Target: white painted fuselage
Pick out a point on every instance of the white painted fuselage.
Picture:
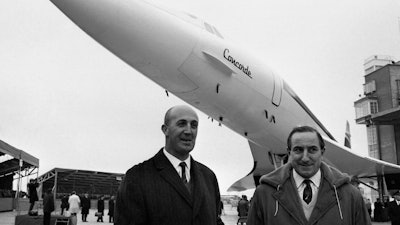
(189, 58)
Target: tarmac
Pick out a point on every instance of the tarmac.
(229, 217)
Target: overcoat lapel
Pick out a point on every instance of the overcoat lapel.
(169, 174)
(289, 199)
(326, 200)
(198, 187)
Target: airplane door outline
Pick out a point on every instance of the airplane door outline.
(277, 93)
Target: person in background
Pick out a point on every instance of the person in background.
(85, 203)
(378, 210)
(369, 206)
(243, 206)
(385, 210)
(111, 209)
(74, 203)
(32, 193)
(171, 188)
(394, 209)
(48, 206)
(64, 204)
(220, 212)
(221, 208)
(100, 209)
(306, 190)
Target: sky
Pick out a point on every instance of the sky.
(71, 103)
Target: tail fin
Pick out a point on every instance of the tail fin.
(347, 139)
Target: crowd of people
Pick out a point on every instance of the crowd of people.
(73, 204)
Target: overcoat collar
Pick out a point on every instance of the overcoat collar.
(283, 182)
(169, 174)
(287, 193)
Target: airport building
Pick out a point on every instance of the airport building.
(95, 183)
(379, 108)
(16, 164)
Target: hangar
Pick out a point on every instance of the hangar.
(95, 183)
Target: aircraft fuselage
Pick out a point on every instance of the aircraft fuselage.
(189, 58)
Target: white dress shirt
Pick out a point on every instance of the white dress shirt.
(315, 183)
(175, 163)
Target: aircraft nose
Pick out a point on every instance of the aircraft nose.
(93, 16)
(142, 34)
(126, 28)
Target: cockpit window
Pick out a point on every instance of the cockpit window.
(190, 18)
(193, 16)
(212, 30)
(208, 28)
(218, 33)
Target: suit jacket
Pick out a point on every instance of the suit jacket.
(48, 203)
(243, 207)
(394, 212)
(111, 207)
(100, 205)
(152, 192)
(32, 192)
(85, 204)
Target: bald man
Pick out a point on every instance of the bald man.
(171, 187)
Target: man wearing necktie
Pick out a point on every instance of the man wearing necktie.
(394, 209)
(170, 188)
(307, 190)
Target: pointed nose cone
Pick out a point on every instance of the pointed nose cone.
(117, 25)
(90, 15)
(142, 34)
(134, 30)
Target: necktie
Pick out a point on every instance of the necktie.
(307, 193)
(183, 166)
(184, 179)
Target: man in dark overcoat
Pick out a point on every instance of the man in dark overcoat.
(394, 209)
(48, 206)
(170, 188)
(32, 193)
(85, 204)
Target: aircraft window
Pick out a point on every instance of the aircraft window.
(208, 28)
(212, 30)
(193, 16)
(217, 33)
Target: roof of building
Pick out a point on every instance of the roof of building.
(10, 165)
(82, 181)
